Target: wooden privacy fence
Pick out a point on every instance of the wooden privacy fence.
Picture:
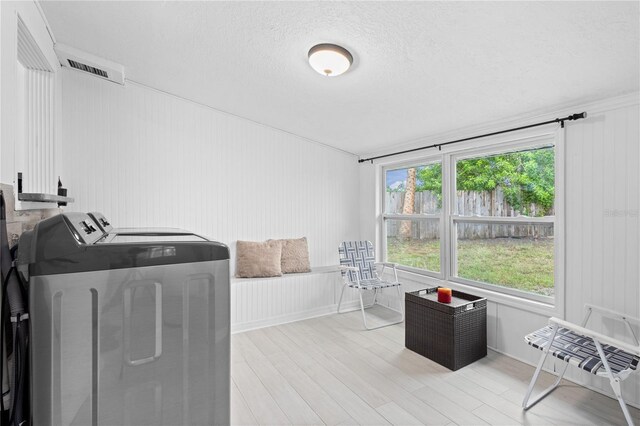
(468, 203)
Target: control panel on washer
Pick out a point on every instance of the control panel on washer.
(83, 228)
(102, 221)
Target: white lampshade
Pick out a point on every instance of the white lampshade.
(329, 59)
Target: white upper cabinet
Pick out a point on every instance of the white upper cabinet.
(30, 107)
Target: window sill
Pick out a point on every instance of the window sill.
(492, 296)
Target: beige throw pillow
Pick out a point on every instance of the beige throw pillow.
(295, 256)
(258, 259)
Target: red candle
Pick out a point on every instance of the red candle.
(444, 295)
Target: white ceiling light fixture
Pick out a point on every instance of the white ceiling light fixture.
(330, 60)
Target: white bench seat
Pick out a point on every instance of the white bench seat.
(263, 302)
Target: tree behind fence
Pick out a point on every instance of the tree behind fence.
(469, 203)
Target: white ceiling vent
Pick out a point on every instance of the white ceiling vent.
(86, 62)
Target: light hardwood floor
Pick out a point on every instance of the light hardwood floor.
(329, 370)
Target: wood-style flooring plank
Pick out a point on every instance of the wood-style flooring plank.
(291, 403)
(320, 401)
(446, 406)
(493, 416)
(396, 415)
(329, 370)
(370, 357)
(262, 341)
(361, 362)
(350, 401)
(498, 402)
(370, 395)
(403, 399)
(262, 405)
(240, 412)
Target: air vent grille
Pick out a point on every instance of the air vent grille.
(88, 68)
(90, 64)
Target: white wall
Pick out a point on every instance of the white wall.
(145, 158)
(603, 221)
(602, 231)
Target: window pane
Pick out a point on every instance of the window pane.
(509, 184)
(414, 190)
(414, 243)
(514, 256)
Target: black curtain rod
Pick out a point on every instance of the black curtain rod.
(440, 145)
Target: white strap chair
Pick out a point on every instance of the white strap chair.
(586, 349)
(358, 268)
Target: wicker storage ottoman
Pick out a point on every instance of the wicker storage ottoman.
(451, 334)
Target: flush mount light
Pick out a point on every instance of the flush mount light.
(329, 59)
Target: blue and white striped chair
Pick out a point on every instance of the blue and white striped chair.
(586, 349)
(358, 267)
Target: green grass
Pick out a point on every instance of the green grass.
(422, 254)
(524, 264)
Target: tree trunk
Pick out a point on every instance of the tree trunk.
(409, 201)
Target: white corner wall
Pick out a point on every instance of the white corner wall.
(602, 231)
(603, 224)
(145, 158)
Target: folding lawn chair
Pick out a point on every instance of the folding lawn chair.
(596, 353)
(357, 261)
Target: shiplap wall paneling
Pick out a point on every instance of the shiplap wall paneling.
(267, 301)
(145, 158)
(602, 225)
(36, 148)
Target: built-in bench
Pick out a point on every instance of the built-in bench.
(262, 302)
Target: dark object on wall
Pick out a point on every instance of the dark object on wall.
(43, 198)
(14, 334)
(515, 129)
(453, 335)
(61, 192)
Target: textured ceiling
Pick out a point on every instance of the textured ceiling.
(420, 68)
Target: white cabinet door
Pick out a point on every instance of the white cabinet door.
(29, 113)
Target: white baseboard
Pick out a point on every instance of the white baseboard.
(347, 306)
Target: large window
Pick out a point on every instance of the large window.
(503, 219)
(413, 209)
(492, 226)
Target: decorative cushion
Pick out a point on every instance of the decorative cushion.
(295, 256)
(258, 259)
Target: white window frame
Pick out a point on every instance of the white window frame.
(425, 161)
(511, 142)
(455, 218)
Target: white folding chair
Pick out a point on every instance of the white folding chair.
(358, 267)
(594, 352)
